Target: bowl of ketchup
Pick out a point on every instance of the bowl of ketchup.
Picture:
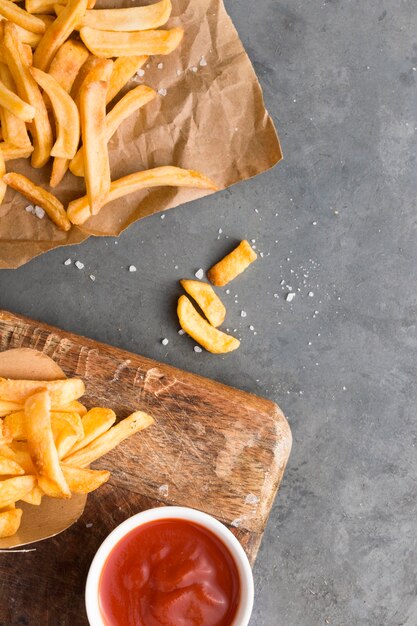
(170, 566)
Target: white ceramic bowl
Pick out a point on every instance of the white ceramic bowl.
(171, 512)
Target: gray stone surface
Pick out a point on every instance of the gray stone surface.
(338, 219)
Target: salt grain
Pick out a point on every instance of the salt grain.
(251, 499)
(140, 73)
(194, 69)
(160, 66)
(162, 91)
(79, 265)
(92, 277)
(30, 208)
(163, 490)
(179, 72)
(311, 294)
(165, 341)
(67, 262)
(163, 216)
(181, 331)
(251, 327)
(243, 314)
(132, 268)
(199, 274)
(203, 62)
(290, 297)
(198, 349)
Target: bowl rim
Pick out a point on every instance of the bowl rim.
(209, 522)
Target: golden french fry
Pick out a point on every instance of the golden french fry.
(93, 69)
(11, 152)
(62, 392)
(52, 206)
(201, 331)
(14, 129)
(131, 102)
(34, 496)
(84, 480)
(10, 101)
(57, 33)
(232, 264)
(123, 70)
(79, 210)
(41, 445)
(42, 6)
(9, 522)
(58, 171)
(26, 50)
(65, 112)
(96, 422)
(67, 62)
(15, 423)
(10, 467)
(208, 301)
(67, 429)
(21, 17)
(28, 90)
(131, 19)
(74, 407)
(109, 440)
(14, 489)
(93, 131)
(30, 38)
(105, 43)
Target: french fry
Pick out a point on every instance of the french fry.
(232, 264)
(16, 105)
(65, 112)
(11, 152)
(84, 480)
(131, 102)
(131, 19)
(42, 6)
(109, 440)
(62, 392)
(14, 129)
(26, 50)
(22, 18)
(67, 429)
(93, 69)
(30, 38)
(58, 171)
(14, 489)
(105, 43)
(10, 467)
(18, 451)
(15, 423)
(74, 407)
(10, 522)
(212, 339)
(7, 406)
(34, 496)
(95, 422)
(208, 301)
(67, 62)
(28, 90)
(57, 33)
(93, 131)
(123, 70)
(52, 206)
(79, 210)
(41, 445)
(6, 435)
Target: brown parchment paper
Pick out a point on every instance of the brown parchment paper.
(213, 120)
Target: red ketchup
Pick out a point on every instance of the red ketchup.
(169, 572)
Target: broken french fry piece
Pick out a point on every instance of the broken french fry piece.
(65, 113)
(232, 265)
(79, 210)
(107, 44)
(206, 298)
(123, 70)
(14, 489)
(201, 331)
(109, 440)
(67, 62)
(82, 480)
(10, 522)
(52, 206)
(130, 19)
(41, 445)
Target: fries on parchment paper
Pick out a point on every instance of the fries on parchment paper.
(47, 441)
(49, 104)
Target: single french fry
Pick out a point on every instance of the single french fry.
(93, 131)
(212, 339)
(62, 392)
(84, 480)
(65, 112)
(67, 62)
(52, 206)
(41, 445)
(95, 422)
(131, 19)
(57, 33)
(34, 496)
(14, 129)
(14, 489)
(42, 6)
(28, 90)
(22, 18)
(93, 69)
(11, 152)
(10, 522)
(208, 301)
(79, 210)
(110, 439)
(10, 467)
(123, 70)
(10, 101)
(131, 102)
(232, 264)
(107, 44)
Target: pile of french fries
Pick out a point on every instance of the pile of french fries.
(48, 439)
(61, 63)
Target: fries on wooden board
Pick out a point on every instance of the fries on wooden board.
(47, 441)
(53, 102)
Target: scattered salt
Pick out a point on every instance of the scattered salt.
(92, 277)
(160, 66)
(163, 490)
(30, 208)
(165, 341)
(89, 525)
(251, 327)
(163, 216)
(79, 265)
(132, 268)
(251, 499)
(194, 69)
(220, 231)
(199, 274)
(203, 62)
(236, 522)
(290, 297)
(198, 349)
(140, 73)
(181, 331)
(162, 91)
(179, 72)
(67, 262)
(227, 291)
(311, 294)
(243, 314)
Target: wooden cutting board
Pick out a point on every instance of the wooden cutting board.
(212, 448)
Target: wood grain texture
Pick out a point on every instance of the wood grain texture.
(211, 447)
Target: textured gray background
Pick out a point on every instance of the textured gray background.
(337, 219)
